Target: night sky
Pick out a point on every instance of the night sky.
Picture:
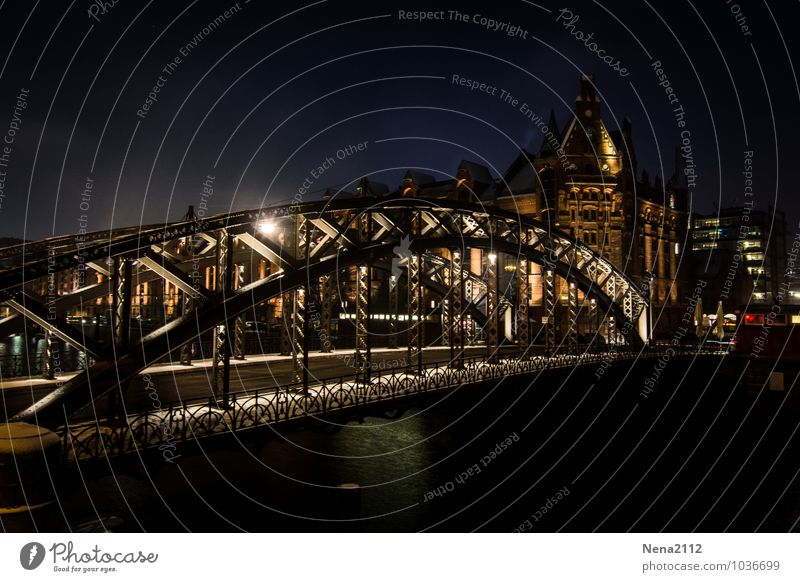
(256, 102)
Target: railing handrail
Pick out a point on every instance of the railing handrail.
(287, 403)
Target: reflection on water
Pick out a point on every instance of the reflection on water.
(18, 358)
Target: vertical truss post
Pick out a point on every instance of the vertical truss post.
(393, 305)
(469, 298)
(299, 315)
(593, 327)
(48, 368)
(298, 332)
(326, 312)
(492, 309)
(287, 309)
(239, 326)
(122, 302)
(611, 327)
(221, 361)
(447, 275)
(456, 316)
(187, 302)
(187, 306)
(572, 324)
(415, 317)
(549, 311)
(416, 320)
(363, 353)
(523, 322)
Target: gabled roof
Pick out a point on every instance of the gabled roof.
(419, 178)
(367, 187)
(576, 134)
(520, 177)
(480, 174)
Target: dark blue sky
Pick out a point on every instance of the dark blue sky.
(274, 89)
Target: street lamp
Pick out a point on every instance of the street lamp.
(266, 227)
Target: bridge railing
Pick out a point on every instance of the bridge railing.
(189, 420)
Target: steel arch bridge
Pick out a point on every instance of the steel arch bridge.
(304, 255)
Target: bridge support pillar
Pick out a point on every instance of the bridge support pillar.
(572, 324)
(523, 322)
(492, 309)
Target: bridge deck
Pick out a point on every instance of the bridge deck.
(166, 427)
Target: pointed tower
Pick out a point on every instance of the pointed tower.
(587, 103)
(552, 139)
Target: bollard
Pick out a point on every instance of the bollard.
(29, 455)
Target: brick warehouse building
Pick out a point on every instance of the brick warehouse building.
(585, 181)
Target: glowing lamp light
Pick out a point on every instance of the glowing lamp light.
(492, 258)
(266, 227)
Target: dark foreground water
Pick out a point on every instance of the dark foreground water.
(563, 451)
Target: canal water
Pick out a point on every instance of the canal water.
(576, 450)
